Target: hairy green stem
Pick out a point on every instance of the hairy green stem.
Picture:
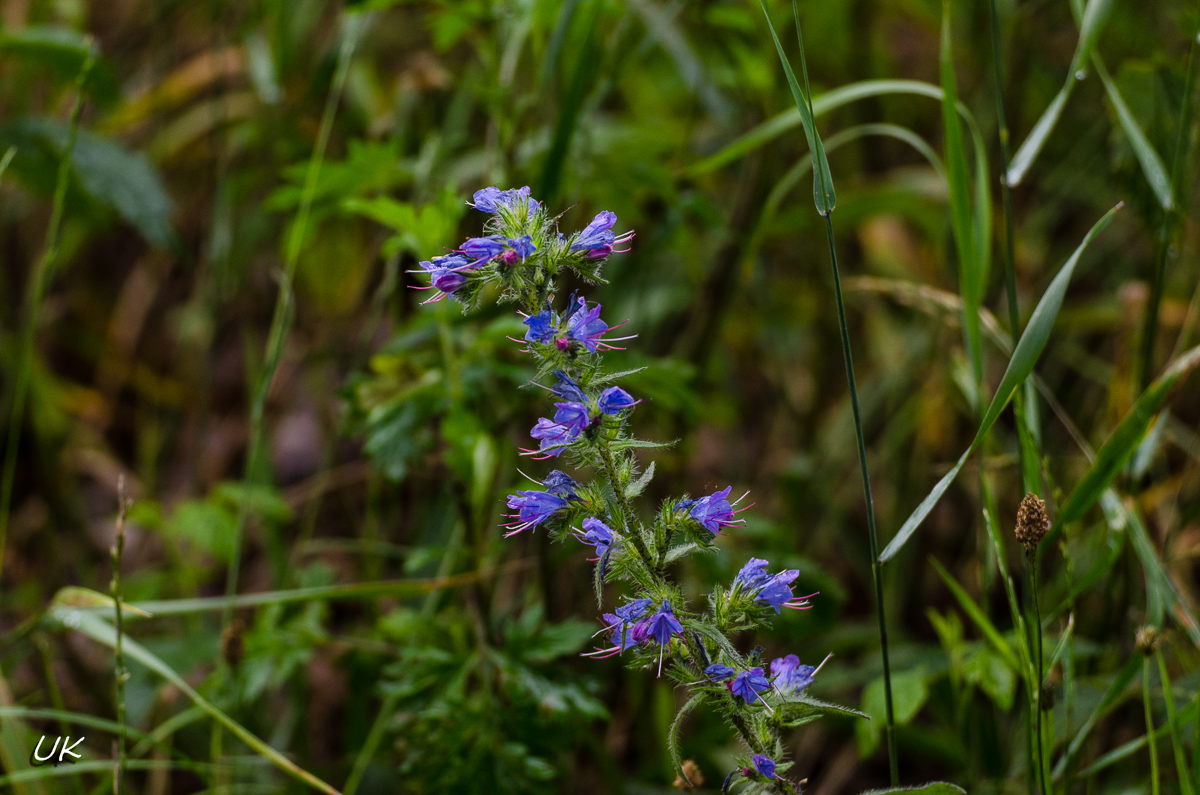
(610, 471)
(1032, 560)
(1150, 739)
(876, 566)
(1170, 215)
(35, 293)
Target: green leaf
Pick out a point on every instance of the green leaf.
(1151, 163)
(972, 267)
(62, 51)
(823, 193)
(909, 694)
(1124, 440)
(977, 615)
(1095, 17)
(1029, 348)
(1112, 696)
(95, 628)
(932, 788)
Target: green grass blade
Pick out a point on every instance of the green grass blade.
(823, 193)
(1029, 348)
(1112, 696)
(1124, 440)
(972, 278)
(1095, 17)
(976, 615)
(78, 768)
(95, 628)
(1151, 163)
(1160, 588)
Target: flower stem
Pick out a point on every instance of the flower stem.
(1150, 741)
(119, 675)
(35, 293)
(1031, 559)
(876, 566)
(1181, 769)
(610, 471)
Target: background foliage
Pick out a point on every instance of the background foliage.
(429, 656)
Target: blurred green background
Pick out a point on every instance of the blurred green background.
(391, 430)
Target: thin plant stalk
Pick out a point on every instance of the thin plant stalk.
(119, 674)
(1031, 559)
(1181, 768)
(1150, 742)
(35, 293)
(284, 314)
(825, 209)
(1170, 215)
(371, 745)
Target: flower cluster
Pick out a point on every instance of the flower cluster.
(521, 254)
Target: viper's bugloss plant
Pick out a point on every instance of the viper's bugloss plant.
(521, 255)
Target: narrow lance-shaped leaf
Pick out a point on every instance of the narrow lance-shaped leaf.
(971, 278)
(96, 629)
(825, 200)
(1029, 348)
(1095, 17)
(1151, 163)
(1124, 440)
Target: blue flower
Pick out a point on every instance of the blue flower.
(568, 388)
(714, 511)
(635, 609)
(447, 274)
(522, 246)
(789, 676)
(663, 625)
(533, 508)
(598, 534)
(753, 574)
(541, 327)
(585, 326)
(748, 684)
(764, 765)
(491, 199)
(551, 436)
(627, 631)
(484, 248)
(575, 416)
(719, 672)
(615, 399)
(597, 238)
(561, 484)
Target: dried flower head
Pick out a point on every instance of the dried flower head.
(1148, 640)
(690, 778)
(1032, 521)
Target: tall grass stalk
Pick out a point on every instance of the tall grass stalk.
(119, 673)
(1170, 215)
(1031, 559)
(284, 314)
(1151, 744)
(35, 293)
(825, 207)
(1181, 768)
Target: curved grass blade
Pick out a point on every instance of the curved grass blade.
(1126, 750)
(1095, 17)
(976, 615)
(1124, 440)
(1151, 163)
(95, 628)
(823, 193)
(1113, 696)
(972, 272)
(1029, 348)
(102, 766)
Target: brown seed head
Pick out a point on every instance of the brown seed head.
(1147, 640)
(1032, 522)
(691, 777)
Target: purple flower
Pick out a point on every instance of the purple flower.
(449, 281)
(491, 199)
(561, 485)
(483, 248)
(575, 416)
(533, 508)
(748, 684)
(789, 676)
(714, 511)
(635, 609)
(542, 327)
(663, 625)
(627, 631)
(615, 399)
(522, 246)
(597, 238)
(719, 672)
(753, 574)
(764, 765)
(598, 534)
(585, 326)
(551, 436)
(567, 388)
(447, 274)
